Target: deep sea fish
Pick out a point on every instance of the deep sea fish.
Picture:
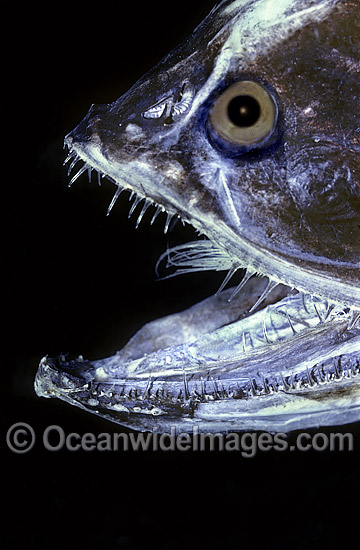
(250, 132)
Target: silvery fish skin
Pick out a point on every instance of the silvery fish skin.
(282, 351)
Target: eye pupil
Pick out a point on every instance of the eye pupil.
(243, 117)
(243, 111)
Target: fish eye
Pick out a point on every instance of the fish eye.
(244, 116)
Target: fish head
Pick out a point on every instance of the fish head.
(249, 132)
(281, 192)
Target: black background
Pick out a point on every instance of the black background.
(77, 281)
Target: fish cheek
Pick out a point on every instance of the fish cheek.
(333, 220)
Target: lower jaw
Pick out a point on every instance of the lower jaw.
(293, 364)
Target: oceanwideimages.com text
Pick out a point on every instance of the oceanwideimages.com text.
(21, 439)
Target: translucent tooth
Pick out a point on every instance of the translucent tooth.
(310, 381)
(270, 286)
(243, 282)
(291, 318)
(71, 166)
(186, 388)
(216, 393)
(265, 384)
(253, 387)
(303, 298)
(141, 215)
(70, 156)
(99, 179)
(157, 212)
(318, 313)
(118, 191)
(355, 318)
(89, 170)
(230, 273)
(289, 383)
(78, 174)
(148, 388)
(328, 311)
(202, 387)
(133, 206)
(290, 323)
(169, 217)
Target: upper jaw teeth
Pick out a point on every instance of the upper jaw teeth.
(208, 255)
(75, 156)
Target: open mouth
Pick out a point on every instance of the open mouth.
(249, 132)
(261, 355)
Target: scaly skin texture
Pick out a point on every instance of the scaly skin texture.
(288, 209)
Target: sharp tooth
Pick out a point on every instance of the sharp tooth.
(321, 375)
(143, 210)
(70, 156)
(290, 322)
(71, 166)
(245, 279)
(337, 368)
(148, 388)
(89, 170)
(99, 179)
(318, 313)
(303, 298)
(169, 217)
(186, 388)
(216, 392)
(310, 380)
(290, 317)
(253, 387)
(133, 206)
(270, 286)
(267, 389)
(328, 311)
(230, 273)
(157, 212)
(287, 386)
(355, 318)
(119, 190)
(78, 174)
(202, 388)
